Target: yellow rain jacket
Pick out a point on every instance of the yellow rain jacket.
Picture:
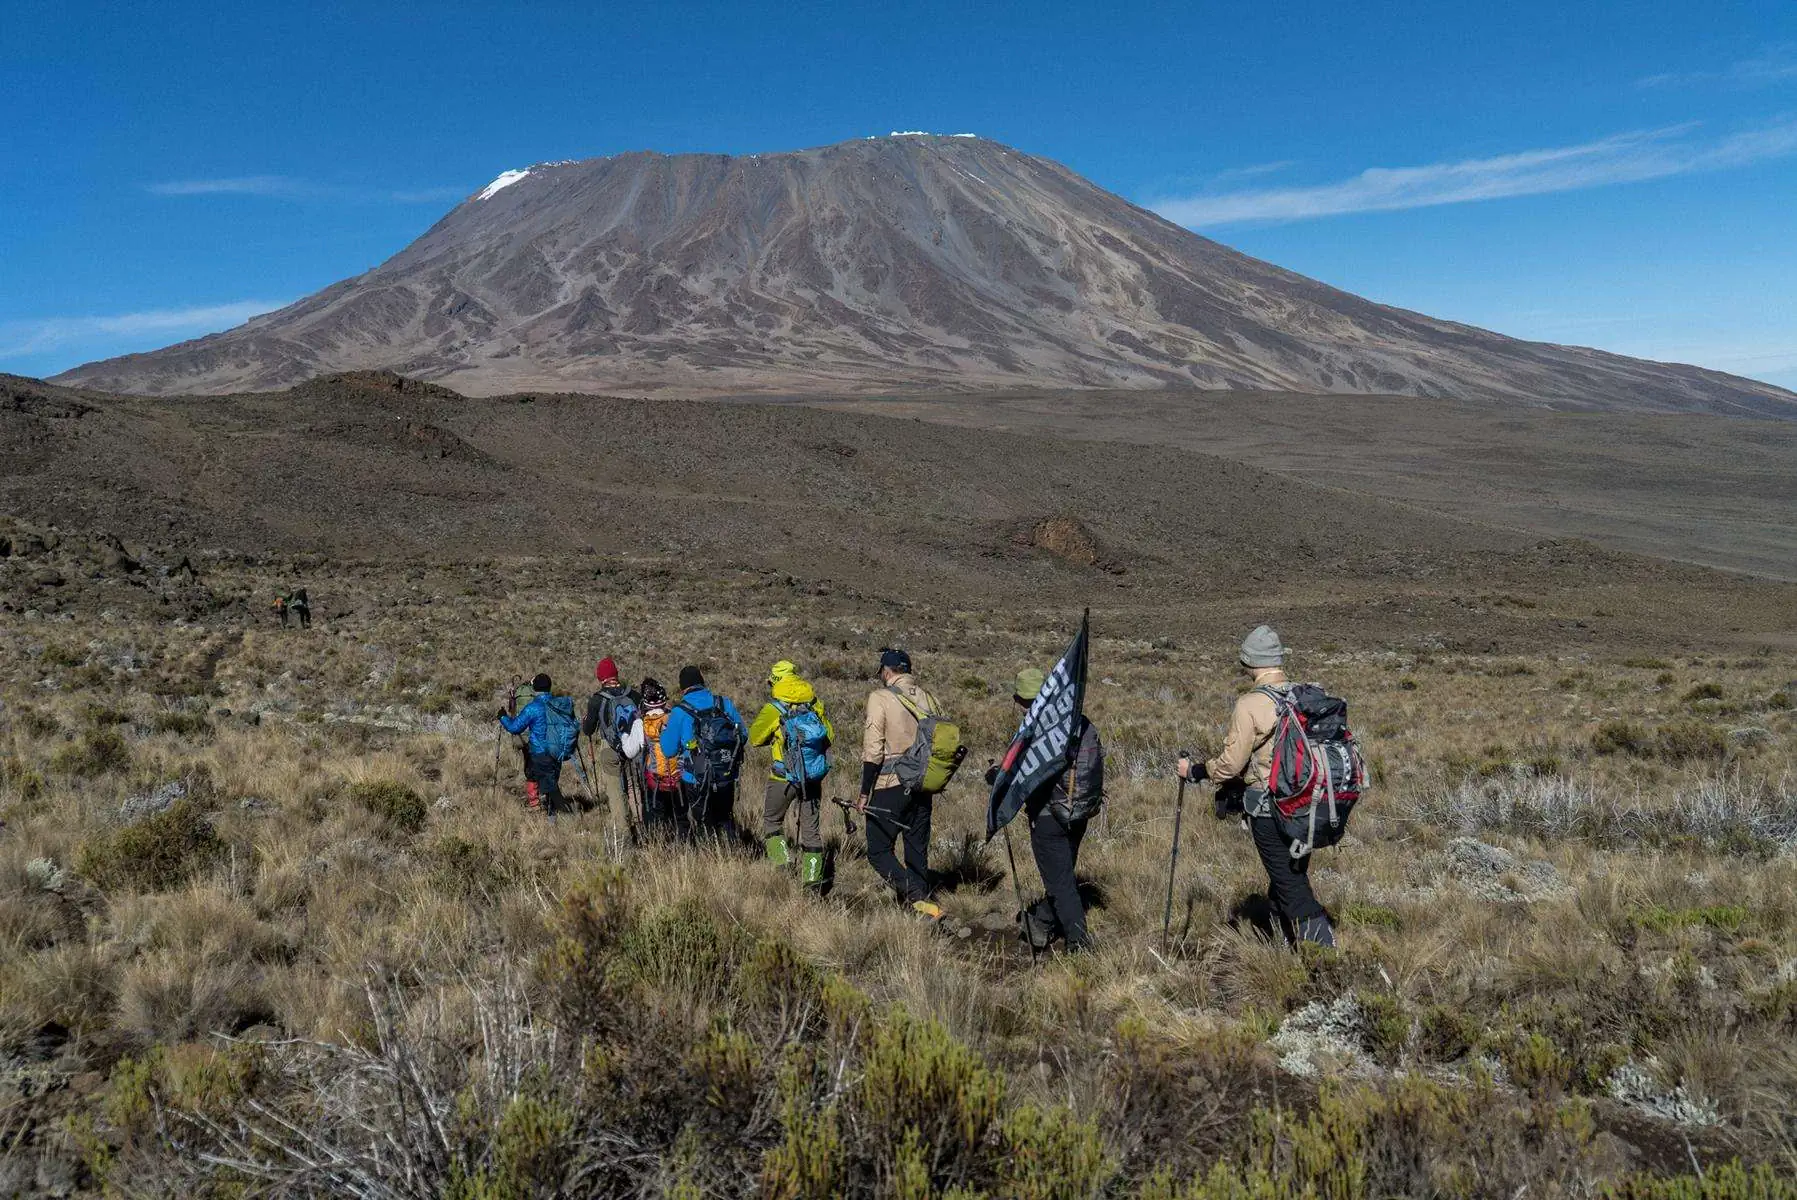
(768, 729)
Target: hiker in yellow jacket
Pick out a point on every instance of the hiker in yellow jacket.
(796, 776)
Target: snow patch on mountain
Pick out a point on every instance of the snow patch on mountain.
(506, 179)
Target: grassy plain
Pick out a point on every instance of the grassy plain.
(341, 963)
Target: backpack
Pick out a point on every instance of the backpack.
(561, 732)
(1088, 790)
(807, 743)
(1316, 767)
(935, 754)
(614, 710)
(715, 749)
(660, 771)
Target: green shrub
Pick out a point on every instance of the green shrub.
(1372, 916)
(1446, 1033)
(159, 852)
(920, 1083)
(1727, 1181)
(398, 806)
(1050, 1154)
(1703, 691)
(181, 724)
(1621, 737)
(1725, 918)
(1387, 1025)
(97, 752)
(1689, 741)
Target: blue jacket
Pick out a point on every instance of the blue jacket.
(531, 717)
(679, 729)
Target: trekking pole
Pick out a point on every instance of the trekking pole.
(499, 743)
(848, 822)
(1029, 928)
(1179, 808)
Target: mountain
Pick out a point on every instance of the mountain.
(900, 263)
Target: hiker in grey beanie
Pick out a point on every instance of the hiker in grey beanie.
(1262, 648)
(1242, 772)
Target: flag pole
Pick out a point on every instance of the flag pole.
(1029, 931)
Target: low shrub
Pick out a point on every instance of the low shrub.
(1690, 741)
(398, 806)
(1703, 691)
(97, 752)
(159, 852)
(1621, 737)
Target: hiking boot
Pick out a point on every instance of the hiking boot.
(927, 908)
(776, 851)
(811, 868)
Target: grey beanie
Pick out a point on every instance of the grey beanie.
(1262, 648)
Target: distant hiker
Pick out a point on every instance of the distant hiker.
(892, 806)
(549, 720)
(300, 607)
(708, 736)
(1058, 819)
(793, 722)
(663, 811)
(610, 713)
(1247, 755)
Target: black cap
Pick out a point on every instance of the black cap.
(690, 678)
(896, 660)
(540, 684)
(652, 692)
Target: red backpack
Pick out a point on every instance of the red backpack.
(1316, 766)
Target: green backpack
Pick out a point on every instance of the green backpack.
(933, 757)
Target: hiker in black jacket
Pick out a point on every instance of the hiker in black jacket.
(610, 713)
(1057, 826)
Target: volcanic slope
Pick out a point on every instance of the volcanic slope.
(936, 262)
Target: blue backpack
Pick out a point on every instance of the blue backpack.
(807, 746)
(561, 732)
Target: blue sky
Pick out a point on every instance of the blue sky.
(1621, 175)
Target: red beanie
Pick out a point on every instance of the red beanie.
(606, 671)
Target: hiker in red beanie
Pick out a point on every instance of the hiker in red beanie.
(610, 712)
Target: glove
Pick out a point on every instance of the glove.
(1200, 772)
(503, 714)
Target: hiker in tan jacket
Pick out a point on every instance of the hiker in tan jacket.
(892, 809)
(1246, 756)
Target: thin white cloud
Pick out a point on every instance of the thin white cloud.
(1252, 171)
(1775, 64)
(19, 338)
(235, 185)
(1622, 158)
(285, 187)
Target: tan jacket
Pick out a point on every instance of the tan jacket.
(890, 727)
(1248, 746)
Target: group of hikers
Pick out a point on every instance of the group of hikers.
(673, 762)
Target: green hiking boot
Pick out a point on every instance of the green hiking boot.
(776, 851)
(811, 868)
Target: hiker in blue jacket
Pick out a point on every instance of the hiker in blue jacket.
(707, 734)
(542, 763)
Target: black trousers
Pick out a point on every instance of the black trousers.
(1300, 914)
(711, 810)
(1056, 846)
(543, 779)
(893, 813)
(664, 812)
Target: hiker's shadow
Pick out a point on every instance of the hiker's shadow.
(971, 865)
(1256, 912)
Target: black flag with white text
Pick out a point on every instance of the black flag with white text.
(1045, 744)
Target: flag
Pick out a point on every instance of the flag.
(1046, 741)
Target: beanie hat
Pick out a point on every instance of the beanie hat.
(781, 670)
(540, 684)
(652, 692)
(690, 678)
(606, 671)
(1262, 648)
(1028, 685)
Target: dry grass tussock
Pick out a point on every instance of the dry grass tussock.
(332, 961)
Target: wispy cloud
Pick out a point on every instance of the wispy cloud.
(286, 187)
(1623, 158)
(1775, 64)
(19, 338)
(1252, 171)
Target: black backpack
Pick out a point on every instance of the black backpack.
(714, 751)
